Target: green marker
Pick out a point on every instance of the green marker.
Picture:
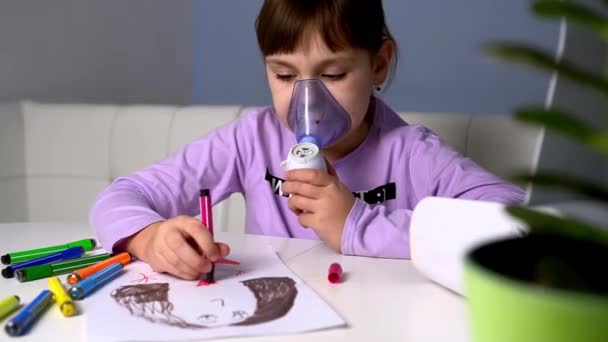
(8, 305)
(15, 257)
(49, 270)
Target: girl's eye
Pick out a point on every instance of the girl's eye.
(208, 318)
(334, 77)
(239, 315)
(285, 77)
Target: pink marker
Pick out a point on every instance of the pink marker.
(335, 273)
(207, 220)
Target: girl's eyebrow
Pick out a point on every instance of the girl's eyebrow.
(274, 60)
(322, 63)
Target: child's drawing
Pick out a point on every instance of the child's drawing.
(274, 297)
(205, 282)
(144, 278)
(257, 297)
(240, 272)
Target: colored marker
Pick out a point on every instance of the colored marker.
(8, 305)
(68, 254)
(84, 273)
(207, 220)
(44, 271)
(15, 257)
(87, 286)
(62, 299)
(28, 315)
(335, 273)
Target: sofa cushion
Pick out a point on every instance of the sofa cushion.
(55, 158)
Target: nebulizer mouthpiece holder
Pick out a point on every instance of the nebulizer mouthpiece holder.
(317, 120)
(304, 155)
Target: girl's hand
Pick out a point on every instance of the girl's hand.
(181, 246)
(321, 202)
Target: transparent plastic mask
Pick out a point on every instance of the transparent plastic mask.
(314, 114)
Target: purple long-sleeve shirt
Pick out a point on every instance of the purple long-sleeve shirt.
(395, 167)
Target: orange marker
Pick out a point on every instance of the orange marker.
(84, 273)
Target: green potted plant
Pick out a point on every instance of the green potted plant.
(551, 284)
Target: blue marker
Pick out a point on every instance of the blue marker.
(87, 286)
(68, 254)
(28, 315)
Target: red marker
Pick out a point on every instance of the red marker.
(335, 273)
(207, 220)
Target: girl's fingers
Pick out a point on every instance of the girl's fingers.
(202, 237)
(306, 220)
(185, 249)
(177, 267)
(163, 266)
(190, 257)
(302, 189)
(301, 203)
(294, 209)
(310, 176)
(223, 248)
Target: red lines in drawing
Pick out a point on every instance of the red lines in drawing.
(144, 278)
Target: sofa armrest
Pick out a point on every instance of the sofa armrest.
(13, 191)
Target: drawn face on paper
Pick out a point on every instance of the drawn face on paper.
(248, 302)
(217, 306)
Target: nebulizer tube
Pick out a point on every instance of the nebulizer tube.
(317, 120)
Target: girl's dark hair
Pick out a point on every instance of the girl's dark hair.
(342, 24)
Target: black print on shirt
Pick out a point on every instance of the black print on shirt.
(380, 194)
(275, 184)
(377, 195)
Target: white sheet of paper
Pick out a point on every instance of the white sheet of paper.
(132, 306)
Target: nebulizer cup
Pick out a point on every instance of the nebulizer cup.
(317, 120)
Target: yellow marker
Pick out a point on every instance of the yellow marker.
(8, 305)
(63, 300)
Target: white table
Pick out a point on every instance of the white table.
(380, 299)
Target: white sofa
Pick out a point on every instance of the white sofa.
(54, 158)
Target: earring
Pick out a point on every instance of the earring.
(378, 88)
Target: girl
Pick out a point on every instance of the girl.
(377, 171)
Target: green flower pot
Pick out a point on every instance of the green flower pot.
(538, 288)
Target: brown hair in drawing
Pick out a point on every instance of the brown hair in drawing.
(274, 297)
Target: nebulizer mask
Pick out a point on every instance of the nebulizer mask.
(317, 120)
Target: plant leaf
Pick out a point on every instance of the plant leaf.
(601, 142)
(539, 222)
(563, 123)
(524, 54)
(573, 12)
(580, 186)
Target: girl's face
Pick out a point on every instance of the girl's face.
(215, 306)
(350, 75)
